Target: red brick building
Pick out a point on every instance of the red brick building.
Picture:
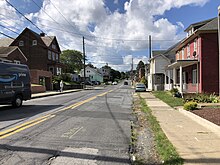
(197, 61)
(43, 56)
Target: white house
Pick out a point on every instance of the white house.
(92, 74)
(157, 78)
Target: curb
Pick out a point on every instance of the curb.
(53, 94)
(207, 124)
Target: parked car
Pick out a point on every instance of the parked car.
(125, 83)
(87, 83)
(140, 87)
(15, 85)
(114, 83)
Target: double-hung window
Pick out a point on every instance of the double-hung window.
(188, 51)
(194, 76)
(183, 54)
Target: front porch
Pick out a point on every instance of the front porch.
(183, 75)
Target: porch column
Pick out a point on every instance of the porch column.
(181, 79)
(197, 77)
(169, 77)
(165, 80)
(174, 76)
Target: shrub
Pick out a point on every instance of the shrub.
(202, 98)
(214, 98)
(190, 106)
(174, 91)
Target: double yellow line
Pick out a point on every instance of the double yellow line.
(31, 123)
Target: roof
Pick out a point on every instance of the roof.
(157, 52)
(170, 53)
(5, 51)
(94, 70)
(197, 24)
(212, 25)
(5, 41)
(48, 40)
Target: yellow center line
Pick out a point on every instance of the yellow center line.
(31, 123)
(26, 125)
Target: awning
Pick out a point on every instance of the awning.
(183, 63)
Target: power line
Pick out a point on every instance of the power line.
(63, 16)
(24, 16)
(6, 35)
(9, 29)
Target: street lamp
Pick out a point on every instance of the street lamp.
(219, 46)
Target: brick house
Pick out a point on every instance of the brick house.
(196, 69)
(43, 56)
(12, 54)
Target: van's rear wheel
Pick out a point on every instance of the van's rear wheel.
(17, 102)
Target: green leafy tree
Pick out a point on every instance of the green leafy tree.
(115, 75)
(73, 59)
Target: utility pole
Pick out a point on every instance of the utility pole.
(84, 64)
(219, 47)
(132, 77)
(150, 56)
(149, 46)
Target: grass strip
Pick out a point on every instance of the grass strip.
(167, 97)
(165, 149)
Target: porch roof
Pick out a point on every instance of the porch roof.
(183, 63)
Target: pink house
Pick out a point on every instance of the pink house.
(196, 69)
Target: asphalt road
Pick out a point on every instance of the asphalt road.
(86, 127)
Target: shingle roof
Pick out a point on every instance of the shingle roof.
(5, 51)
(212, 25)
(198, 24)
(5, 41)
(158, 52)
(47, 40)
(171, 52)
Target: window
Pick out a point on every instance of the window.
(188, 51)
(17, 62)
(21, 43)
(183, 53)
(53, 56)
(195, 45)
(34, 42)
(49, 55)
(194, 76)
(57, 57)
(54, 46)
(51, 69)
(178, 55)
(58, 71)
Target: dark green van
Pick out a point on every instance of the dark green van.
(15, 84)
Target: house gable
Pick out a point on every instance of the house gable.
(28, 36)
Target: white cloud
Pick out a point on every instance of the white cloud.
(93, 18)
(9, 17)
(180, 24)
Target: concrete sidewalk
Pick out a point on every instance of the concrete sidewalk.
(196, 141)
(51, 93)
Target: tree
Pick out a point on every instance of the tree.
(115, 74)
(73, 59)
(139, 66)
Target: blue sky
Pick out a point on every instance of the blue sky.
(115, 30)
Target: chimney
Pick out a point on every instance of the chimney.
(42, 34)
